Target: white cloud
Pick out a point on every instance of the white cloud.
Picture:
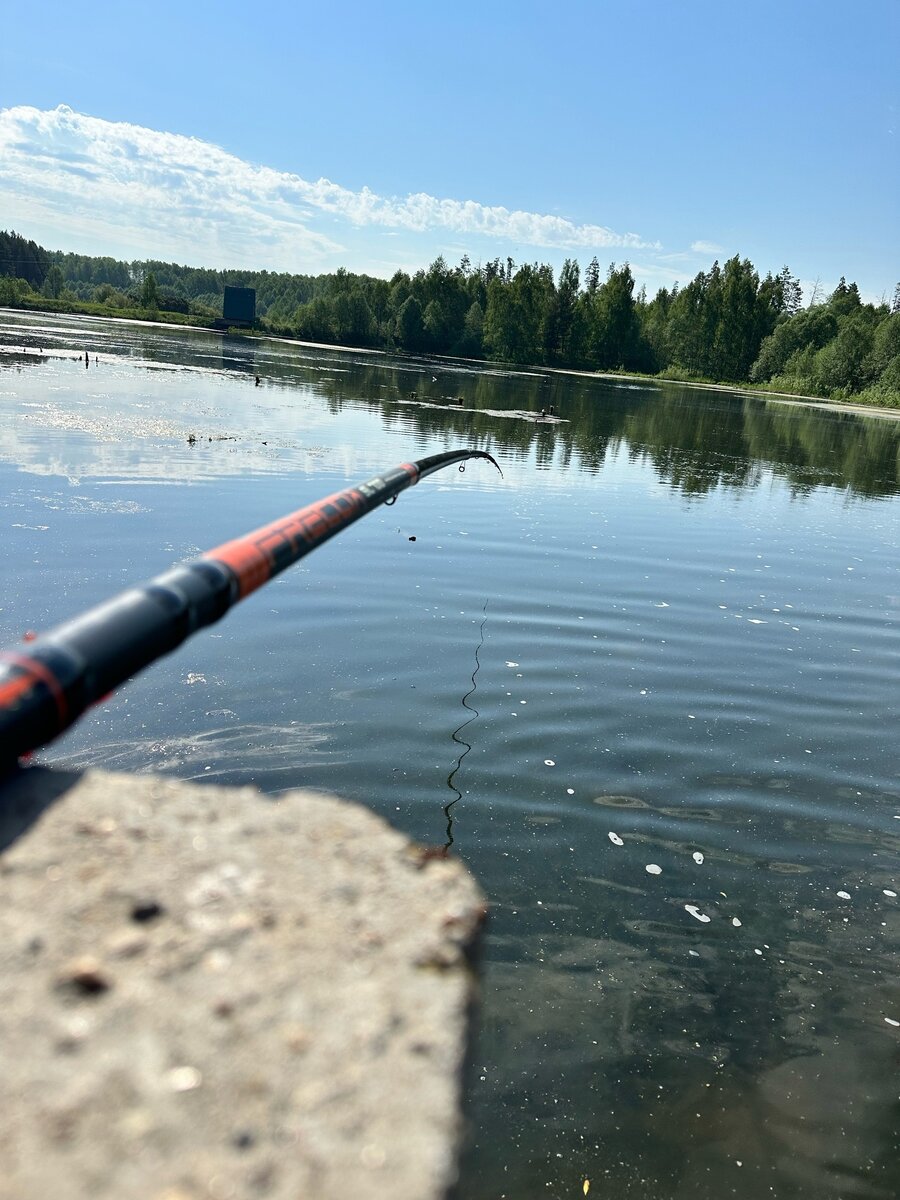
(707, 248)
(164, 195)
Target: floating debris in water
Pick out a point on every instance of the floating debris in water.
(891, 1021)
(653, 869)
(694, 953)
(697, 856)
(888, 892)
(548, 762)
(570, 791)
(736, 922)
(695, 912)
(615, 839)
(844, 895)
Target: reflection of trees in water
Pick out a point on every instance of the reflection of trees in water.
(697, 441)
(812, 447)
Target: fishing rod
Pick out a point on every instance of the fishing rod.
(47, 684)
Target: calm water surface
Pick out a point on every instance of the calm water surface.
(675, 772)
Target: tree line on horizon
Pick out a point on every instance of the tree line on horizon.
(726, 325)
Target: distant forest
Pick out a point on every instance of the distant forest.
(726, 326)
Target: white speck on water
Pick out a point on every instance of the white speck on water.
(662, 604)
(570, 791)
(736, 922)
(694, 953)
(512, 664)
(615, 839)
(643, 691)
(756, 621)
(888, 892)
(891, 1021)
(691, 717)
(548, 762)
(697, 857)
(695, 912)
(756, 950)
(844, 895)
(653, 869)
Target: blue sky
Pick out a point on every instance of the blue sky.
(374, 136)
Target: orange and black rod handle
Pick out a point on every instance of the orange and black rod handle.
(48, 683)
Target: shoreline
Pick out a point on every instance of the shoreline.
(820, 402)
(788, 398)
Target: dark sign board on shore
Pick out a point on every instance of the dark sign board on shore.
(239, 306)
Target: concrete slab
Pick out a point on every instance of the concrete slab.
(207, 994)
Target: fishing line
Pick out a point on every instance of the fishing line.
(461, 741)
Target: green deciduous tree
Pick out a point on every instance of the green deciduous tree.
(53, 284)
(409, 329)
(149, 292)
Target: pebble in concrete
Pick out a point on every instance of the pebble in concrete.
(205, 995)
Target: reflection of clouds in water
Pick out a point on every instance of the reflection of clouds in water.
(239, 747)
(104, 426)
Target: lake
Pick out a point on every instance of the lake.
(645, 685)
